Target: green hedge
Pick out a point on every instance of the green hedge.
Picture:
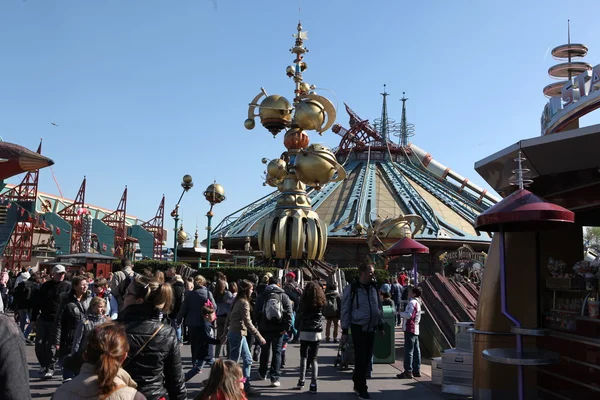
(157, 265)
(233, 274)
(352, 273)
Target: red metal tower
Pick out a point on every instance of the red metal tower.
(116, 221)
(360, 135)
(20, 244)
(156, 227)
(71, 215)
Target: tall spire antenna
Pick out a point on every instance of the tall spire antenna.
(384, 117)
(406, 129)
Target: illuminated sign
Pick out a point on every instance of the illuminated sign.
(579, 96)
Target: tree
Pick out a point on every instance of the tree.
(591, 238)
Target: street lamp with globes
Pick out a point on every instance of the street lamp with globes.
(186, 184)
(214, 194)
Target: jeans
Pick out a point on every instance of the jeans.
(308, 354)
(412, 353)
(44, 350)
(177, 330)
(330, 321)
(195, 370)
(238, 347)
(363, 352)
(274, 340)
(25, 320)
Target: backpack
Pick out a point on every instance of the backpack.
(331, 307)
(125, 284)
(354, 289)
(273, 309)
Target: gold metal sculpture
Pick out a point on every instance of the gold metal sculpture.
(293, 230)
(384, 232)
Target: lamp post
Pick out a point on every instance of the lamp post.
(214, 194)
(186, 184)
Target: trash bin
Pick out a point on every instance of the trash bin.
(384, 351)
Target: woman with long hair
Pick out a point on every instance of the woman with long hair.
(237, 325)
(226, 382)
(223, 298)
(101, 376)
(71, 310)
(154, 359)
(308, 323)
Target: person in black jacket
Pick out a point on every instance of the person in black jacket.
(309, 324)
(208, 338)
(154, 358)
(191, 310)
(178, 295)
(72, 309)
(331, 311)
(45, 304)
(272, 327)
(14, 382)
(23, 302)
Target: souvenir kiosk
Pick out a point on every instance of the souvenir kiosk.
(556, 299)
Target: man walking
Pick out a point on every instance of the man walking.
(46, 305)
(273, 311)
(121, 280)
(410, 326)
(362, 313)
(396, 292)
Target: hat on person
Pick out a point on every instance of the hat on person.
(293, 275)
(59, 269)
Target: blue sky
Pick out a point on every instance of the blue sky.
(145, 91)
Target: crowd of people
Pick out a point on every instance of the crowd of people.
(119, 337)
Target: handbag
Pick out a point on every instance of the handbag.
(143, 346)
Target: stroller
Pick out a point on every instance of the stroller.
(345, 356)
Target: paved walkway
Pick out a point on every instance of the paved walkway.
(332, 381)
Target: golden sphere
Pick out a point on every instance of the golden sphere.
(249, 124)
(182, 236)
(214, 193)
(276, 169)
(275, 113)
(315, 166)
(309, 115)
(290, 71)
(304, 87)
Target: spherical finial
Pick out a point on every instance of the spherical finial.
(187, 183)
(214, 193)
(249, 124)
(290, 71)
